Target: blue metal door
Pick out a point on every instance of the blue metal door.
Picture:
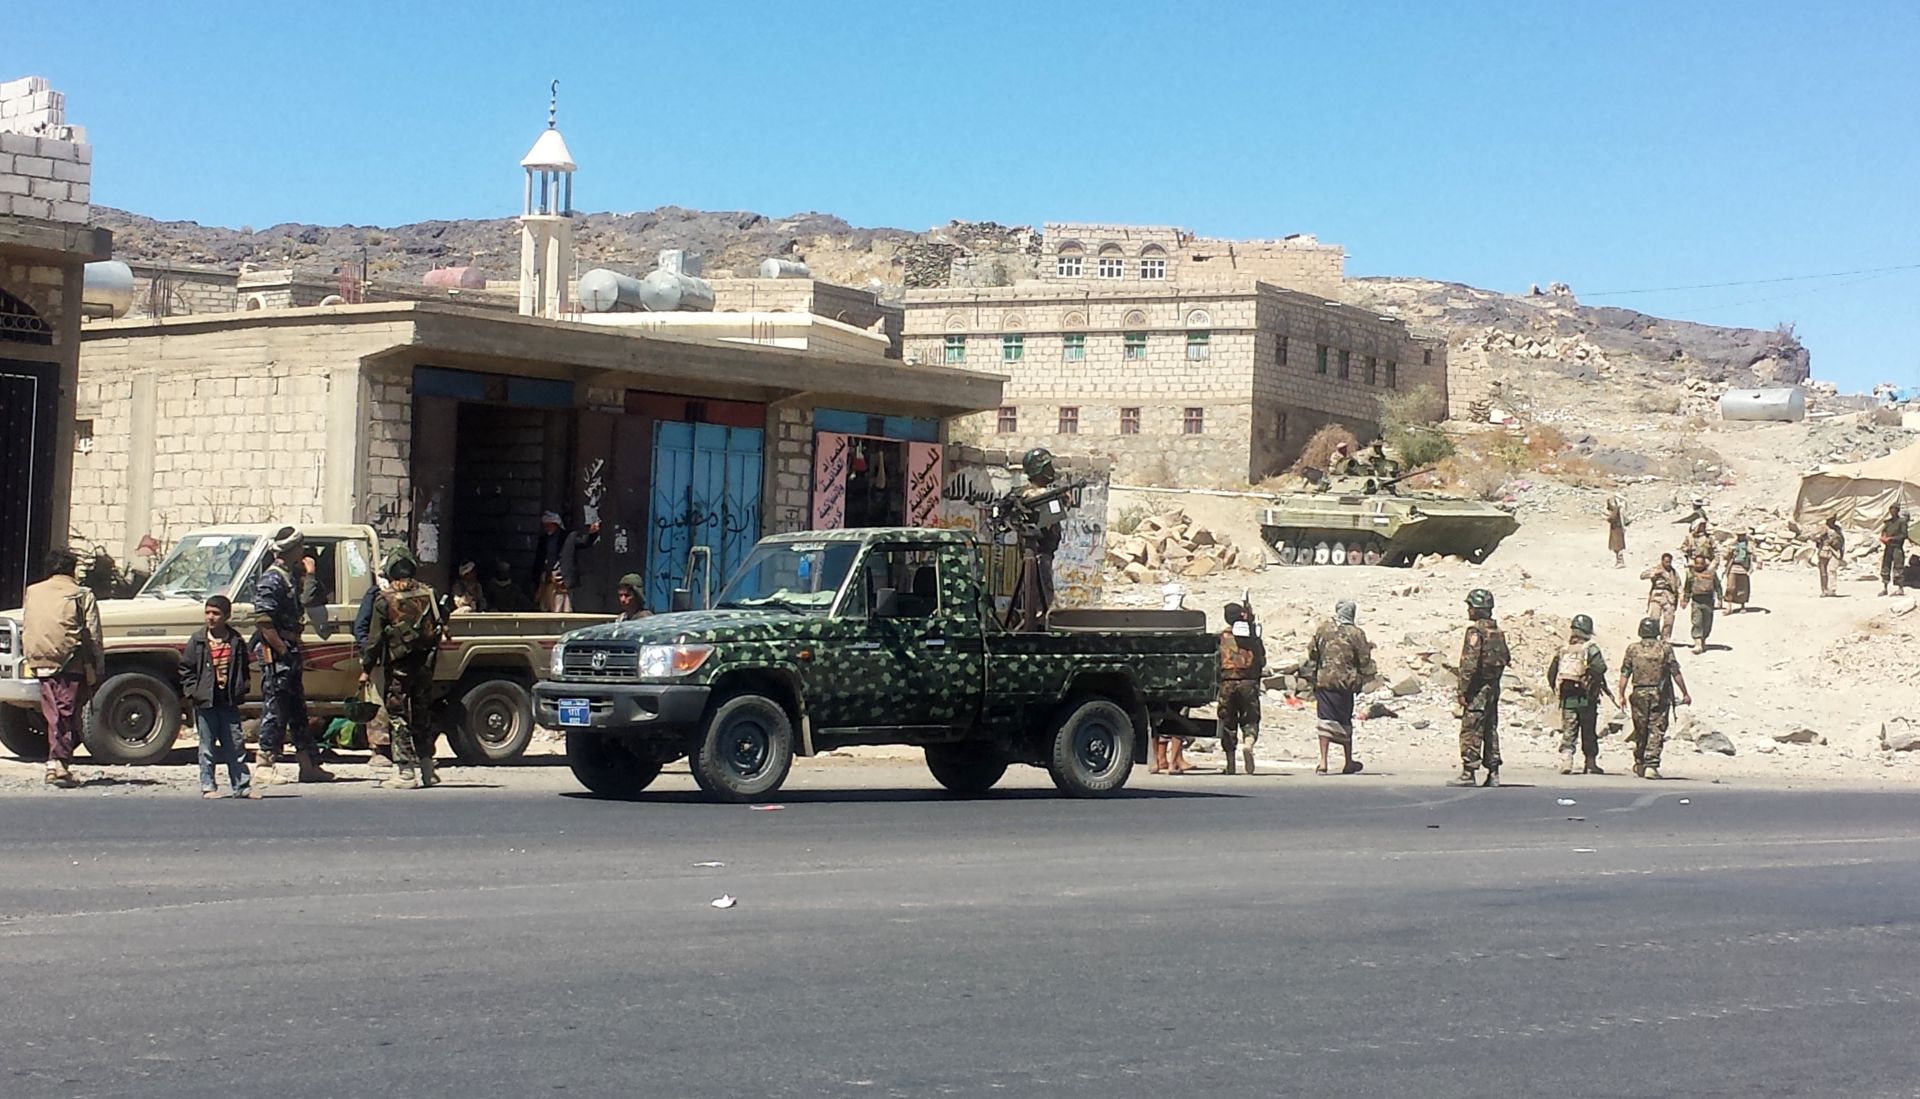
(706, 492)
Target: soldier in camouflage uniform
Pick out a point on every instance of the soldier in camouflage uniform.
(1033, 512)
(279, 616)
(403, 638)
(1243, 660)
(1829, 549)
(1893, 551)
(1578, 674)
(1663, 592)
(1651, 670)
(1703, 595)
(1339, 662)
(1698, 543)
(1483, 657)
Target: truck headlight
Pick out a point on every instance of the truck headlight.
(668, 661)
(559, 660)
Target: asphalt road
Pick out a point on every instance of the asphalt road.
(1204, 936)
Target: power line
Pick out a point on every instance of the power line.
(1755, 282)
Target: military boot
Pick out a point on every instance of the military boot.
(1465, 778)
(403, 778)
(1593, 766)
(1247, 755)
(429, 773)
(1226, 747)
(1639, 770)
(1650, 772)
(1566, 763)
(310, 769)
(263, 770)
(1493, 777)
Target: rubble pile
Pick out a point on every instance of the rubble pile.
(1169, 544)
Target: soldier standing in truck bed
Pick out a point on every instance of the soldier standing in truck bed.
(1039, 537)
(1483, 659)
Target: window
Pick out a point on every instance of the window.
(1199, 346)
(1280, 351)
(1136, 346)
(1346, 365)
(1009, 421)
(1069, 420)
(956, 349)
(1193, 421)
(1013, 348)
(1373, 366)
(1129, 421)
(1073, 346)
(1393, 374)
(1110, 267)
(1067, 267)
(1426, 358)
(912, 575)
(1320, 359)
(1153, 269)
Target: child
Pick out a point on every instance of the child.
(213, 680)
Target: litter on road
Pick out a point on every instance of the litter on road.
(725, 902)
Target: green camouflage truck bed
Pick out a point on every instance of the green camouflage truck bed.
(883, 636)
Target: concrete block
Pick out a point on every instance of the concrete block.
(50, 189)
(29, 165)
(79, 192)
(15, 185)
(78, 213)
(22, 206)
(72, 171)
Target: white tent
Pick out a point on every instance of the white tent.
(1859, 493)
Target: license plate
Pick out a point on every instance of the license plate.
(575, 711)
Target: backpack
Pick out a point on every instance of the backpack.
(413, 622)
(1339, 668)
(1741, 555)
(1494, 656)
(1573, 665)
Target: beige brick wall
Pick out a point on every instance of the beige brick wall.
(1297, 263)
(163, 291)
(788, 492)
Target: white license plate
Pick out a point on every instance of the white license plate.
(575, 711)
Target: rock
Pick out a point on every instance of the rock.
(1118, 559)
(1799, 736)
(1902, 606)
(1410, 685)
(1201, 536)
(1900, 738)
(1176, 552)
(1200, 566)
(1422, 723)
(1380, 709)
(1137, 573)
(1713, 742)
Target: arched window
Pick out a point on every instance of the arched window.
(1153, 263)
(1135, 319)
(20, 323)
(1110, 265)
(1067, 262)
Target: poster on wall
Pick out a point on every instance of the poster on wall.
(831, 452)
(924, 484)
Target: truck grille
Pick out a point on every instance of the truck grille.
(601, 660)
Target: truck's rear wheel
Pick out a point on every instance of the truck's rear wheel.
(608, 767)
(23, 732)
(133, 719)
(1092, 751)
(966, 769)
(746, 749)
(493, 723)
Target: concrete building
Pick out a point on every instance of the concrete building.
(45, 242)
(1181, 358)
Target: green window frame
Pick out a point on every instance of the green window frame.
(956, 350)
(1320, 359)
(1135, 344)
(1199, 346)
(1073, 347)
(1013, 348)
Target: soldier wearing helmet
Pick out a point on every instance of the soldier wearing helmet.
(1034, 511)
(403, 638)
(1652, 671)
(1483, 657)
(1578, 674)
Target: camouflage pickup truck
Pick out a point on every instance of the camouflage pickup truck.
(482, 677)
(884, 636)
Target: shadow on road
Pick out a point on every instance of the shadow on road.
(855, 796)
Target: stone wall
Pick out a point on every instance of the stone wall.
(46, 166)
(1298, 263)
(788, 497)
(165, 290)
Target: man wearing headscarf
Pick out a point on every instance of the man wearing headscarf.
(278, 617)
(1830, 549)
(1617, 531)
(1243, 660)
(556, 572)
(1740, 565)
(468, 593)
(1339, 662)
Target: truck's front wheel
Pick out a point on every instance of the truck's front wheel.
(746, 749)
(608, 767)
(133, 719)
(23, 732)
(1092, 751)
(966, 769)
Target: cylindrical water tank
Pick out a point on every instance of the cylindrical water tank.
(1786, 405)
(604, 291)
(456, 278)
(106, 289)
(670, 292)
(784, 269)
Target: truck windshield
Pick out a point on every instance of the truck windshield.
(795, 576)
(201, 565)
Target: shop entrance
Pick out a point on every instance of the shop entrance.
(27, 413)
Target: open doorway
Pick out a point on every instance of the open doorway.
(876, 472)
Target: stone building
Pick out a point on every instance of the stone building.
(45, 244)
(1181, 358)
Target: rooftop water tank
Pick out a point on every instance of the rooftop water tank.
(1787, 406)
(784, 269)
(604, 291)
(106, 289)
(456, 278)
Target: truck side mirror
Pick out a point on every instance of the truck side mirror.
(682, 599)
(886, 603)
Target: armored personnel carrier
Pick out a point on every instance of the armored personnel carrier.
(1356, 519)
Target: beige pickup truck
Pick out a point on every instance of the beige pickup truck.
(482, 679)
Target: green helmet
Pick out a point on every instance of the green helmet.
(1037, 463)
(1480, 599)
(400, 562)
(1583, 625)
(633, 582)
(1649, 628)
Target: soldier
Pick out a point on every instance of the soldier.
(1703, 594)
(1483, 657)
(1893, 551)
(1697, 543)
(1663, 593)
(1578, 674)
(1339, 662)
(1651, 669)
(628, 595)
(1617, 531)
(404, 637)
(503, 595)
(278, 617)
(1342, 463)
(1739, 583)
(1378, 463)
(1243, 660)
(1034, 511)
(1829, 550)
(1697, 516)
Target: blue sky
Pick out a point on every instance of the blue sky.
(1616, 147)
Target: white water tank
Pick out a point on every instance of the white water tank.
(1787, 405)
(784, 269)
(106, 289)
(604, 291)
